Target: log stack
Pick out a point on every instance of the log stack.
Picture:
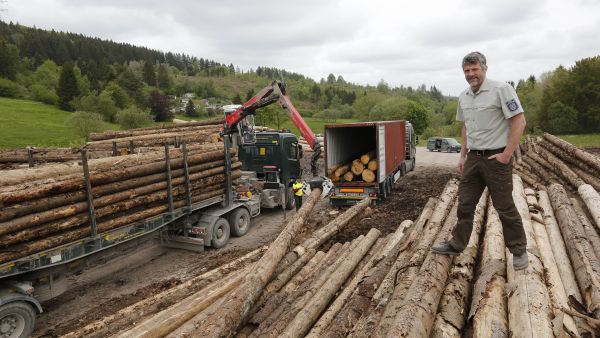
(116, 143)
(363, 168)
(41, 214)
(306, 147)
(394, 286)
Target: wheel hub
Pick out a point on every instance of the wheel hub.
(219, 232)
(8, 325)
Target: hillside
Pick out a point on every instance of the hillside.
(28, 123)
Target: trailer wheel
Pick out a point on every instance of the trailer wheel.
(221, 233)
(239, 220)
(17, 320)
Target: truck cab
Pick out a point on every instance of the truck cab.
(270, 163)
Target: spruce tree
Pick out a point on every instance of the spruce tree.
(149, 75)
(67, 87)
(190, 109)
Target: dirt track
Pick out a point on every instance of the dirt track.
(147, 268)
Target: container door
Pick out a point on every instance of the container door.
(381, 152)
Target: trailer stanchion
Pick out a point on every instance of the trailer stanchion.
(186, 172)
(88, 190)
(169, 183)
(228, 193)
(30, 156)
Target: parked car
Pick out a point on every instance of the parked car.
(443, 144)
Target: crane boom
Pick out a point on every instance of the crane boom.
(266, 96)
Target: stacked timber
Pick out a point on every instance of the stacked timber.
(307, 148)
(45, 209)
(364, 168)
(36, 155)
(394, 286)
(132, 139)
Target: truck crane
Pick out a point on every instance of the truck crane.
(275, 92)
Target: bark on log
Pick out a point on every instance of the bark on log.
(578, 166)
(584, 156)
(26, 193)
(488, 311)
(386, 287)
(167, 320)
(590, 231)
(277, 321)
(50, 171)
(47, 229)
(379, 316)
(323, 234)
(271, 304)
(560, 167)
(361, 298)
(388, 250)
(591, 198)
(204, 136)
(40, 205)
(415, 316)
(309, 313)
(563, 324)
(153, 304)
(124, 133)
(366, 158)
(67, 210)
(542, 170)
(236, 308)
(26, 249)
(368, 176)
(116, 136)
(530, 180)
(43, 155)
(559, 251)
(586, 267)
(529, 308)
(452, 312)
(372, 165)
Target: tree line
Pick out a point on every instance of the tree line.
(134, 85)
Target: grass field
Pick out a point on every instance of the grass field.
(28, 123)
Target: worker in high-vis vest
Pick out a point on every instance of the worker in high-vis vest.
(298, 193)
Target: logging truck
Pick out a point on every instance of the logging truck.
(188, 223)
(365, 159)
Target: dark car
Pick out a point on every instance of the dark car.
(443, 144)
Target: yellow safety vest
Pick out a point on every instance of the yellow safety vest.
(298, 186)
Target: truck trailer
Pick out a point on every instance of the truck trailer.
(394, 145)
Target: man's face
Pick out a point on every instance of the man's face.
(474, 74)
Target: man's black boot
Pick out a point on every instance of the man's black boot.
(445, 249)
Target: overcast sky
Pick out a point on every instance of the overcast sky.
(403, 42)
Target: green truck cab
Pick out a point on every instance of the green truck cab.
(270, 163)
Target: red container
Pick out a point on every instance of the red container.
(346, 142)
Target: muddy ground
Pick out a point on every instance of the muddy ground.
(131, 273)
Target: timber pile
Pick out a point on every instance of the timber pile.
(43, 155)
(122, 142)
(193, 132)
(46, 209)
(307, 149)
(393, 286)
(364, 168)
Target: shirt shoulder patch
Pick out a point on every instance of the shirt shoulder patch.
(512, 105)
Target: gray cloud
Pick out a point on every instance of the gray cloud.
(404, 43)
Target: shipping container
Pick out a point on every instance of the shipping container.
(394, 143)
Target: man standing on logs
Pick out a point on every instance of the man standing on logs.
(493, 124)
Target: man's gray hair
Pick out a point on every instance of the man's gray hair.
(474, 57)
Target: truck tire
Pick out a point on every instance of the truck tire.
(239, 221)
(290, 202)
(221, 233)
(17, 320)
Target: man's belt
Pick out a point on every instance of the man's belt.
(486, 152)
